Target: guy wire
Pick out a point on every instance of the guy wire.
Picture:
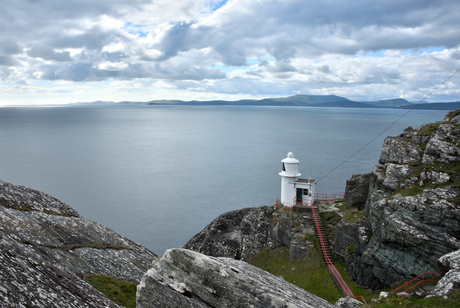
(381, 133)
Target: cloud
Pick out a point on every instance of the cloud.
(329, 46)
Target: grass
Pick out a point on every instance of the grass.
(121, 292)
(309, 274)
(451, 300)
(367, 294)
(453, 170)
(353, 215)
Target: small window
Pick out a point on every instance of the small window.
(284, 168)
(305, 191)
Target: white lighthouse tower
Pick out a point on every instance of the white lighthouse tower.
(295, 191)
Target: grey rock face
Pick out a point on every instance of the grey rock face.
(54, 238)
(450, 261)
(242, 234)
(347, 302)
(402, 236)
(451, 280)
(356, 191)
(184, 278)
(28, 280)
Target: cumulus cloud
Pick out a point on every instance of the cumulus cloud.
(256, 48)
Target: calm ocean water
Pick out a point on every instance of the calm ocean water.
(159, 174)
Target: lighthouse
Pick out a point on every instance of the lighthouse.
(294, 190)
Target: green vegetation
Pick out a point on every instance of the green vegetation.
(353, 215)
(330, 220)
(312, 275)
(309, 274)
(392, 300)
(351, 249)
(410, 186)
(357, 291)
(453, 170)
(121, 292)
(429, 130)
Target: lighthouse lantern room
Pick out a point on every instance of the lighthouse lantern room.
(294, 190)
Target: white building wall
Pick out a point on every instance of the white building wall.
(288, 192)
(289, 175)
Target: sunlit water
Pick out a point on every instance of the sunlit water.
(159, 174)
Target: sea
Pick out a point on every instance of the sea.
(159, 174)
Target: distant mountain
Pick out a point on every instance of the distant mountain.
(435, 106)
(394, 103)
(296, 100)
(98, 103)
(332, 101)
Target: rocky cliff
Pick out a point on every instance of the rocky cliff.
(242, 234)
(411, 204)
(46, 248)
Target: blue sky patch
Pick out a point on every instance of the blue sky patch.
(376, 54)
(217, 5)
(134, 29)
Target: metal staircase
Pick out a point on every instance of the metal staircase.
(327, 256)
(325, 248)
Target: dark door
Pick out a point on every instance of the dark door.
(299, 195)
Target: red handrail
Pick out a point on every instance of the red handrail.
(329, 263)
(421, 281)
(329, 197)
(318, 197)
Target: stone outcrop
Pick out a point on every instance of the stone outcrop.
(356, 190)
(411, 207)
(184, 278)
(242, 234)
(347, 302)
(450, 266)
(47, 247)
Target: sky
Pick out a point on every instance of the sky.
(58, 52)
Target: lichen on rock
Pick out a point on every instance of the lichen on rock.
(184, 278)
(47, 247)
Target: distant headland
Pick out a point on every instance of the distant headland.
(298, 100)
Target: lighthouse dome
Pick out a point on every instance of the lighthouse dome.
(290, 159)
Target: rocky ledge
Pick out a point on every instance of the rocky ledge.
(411, 205)
(46, 248)
(241, 234)
(184, 278)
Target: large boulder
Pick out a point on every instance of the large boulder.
(43, 239)
(184, 278)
